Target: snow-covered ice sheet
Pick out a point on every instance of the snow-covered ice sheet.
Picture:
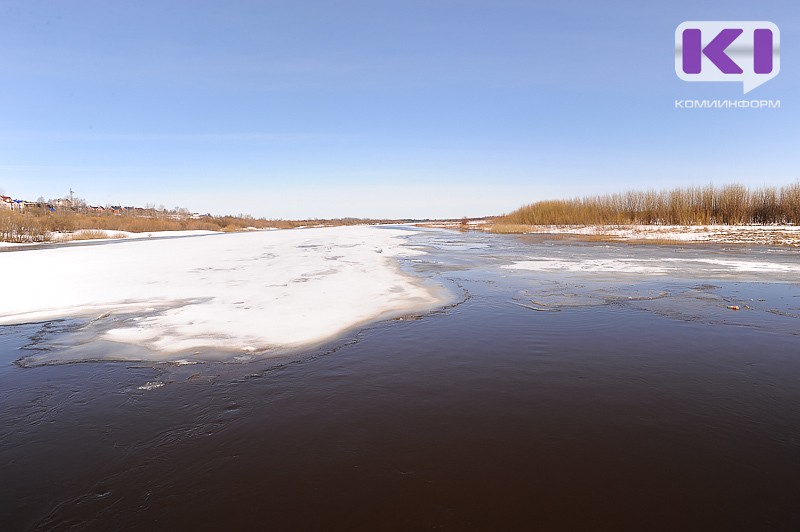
(241, 292)
(656, 266)
(590, 265)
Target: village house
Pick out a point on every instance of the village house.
(6, 202)
(28, 205)
(62, 203)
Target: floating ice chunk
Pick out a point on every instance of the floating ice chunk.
(151, 385)
(184, 362)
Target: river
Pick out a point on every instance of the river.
(575, 385)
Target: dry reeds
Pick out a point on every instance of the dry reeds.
(15, 227)
(88, 234)
(730, 205)
(38, 225)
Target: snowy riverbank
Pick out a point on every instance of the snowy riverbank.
(764, 235)
(82, 235)
(774, 235)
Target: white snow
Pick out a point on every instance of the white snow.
(239, 292)
(659, 266)
(113, 235)
(61, 238)
(590, 265)
(787, 235)
(741, 265)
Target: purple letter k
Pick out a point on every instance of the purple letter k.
(715, 51)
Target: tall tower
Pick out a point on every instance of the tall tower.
(71, 196)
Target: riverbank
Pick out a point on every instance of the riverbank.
(765, 235)
(768, 235)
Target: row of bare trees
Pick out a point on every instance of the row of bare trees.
(730, 204)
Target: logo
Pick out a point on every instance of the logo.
(745, 51)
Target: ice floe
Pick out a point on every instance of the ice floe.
(240, 293)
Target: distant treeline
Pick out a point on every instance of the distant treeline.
(729, 205)
(38, 225)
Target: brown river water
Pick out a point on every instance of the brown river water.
(609, 387)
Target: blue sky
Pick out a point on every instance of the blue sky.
(412, 108)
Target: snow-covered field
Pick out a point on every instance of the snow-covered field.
(240, 292)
